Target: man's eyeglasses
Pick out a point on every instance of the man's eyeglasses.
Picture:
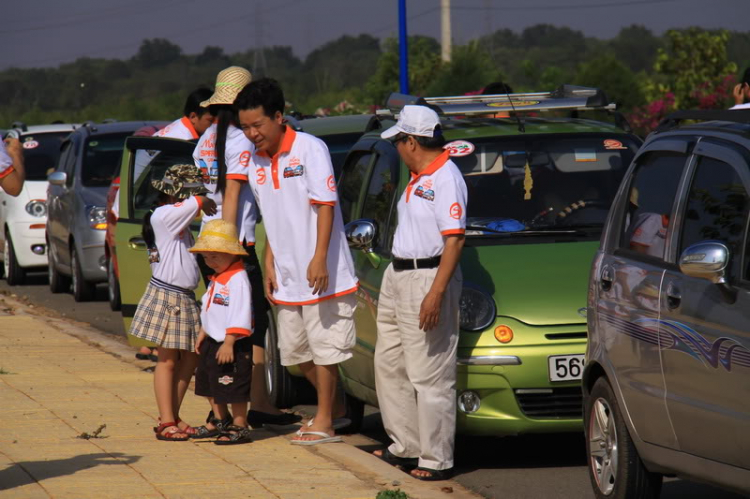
(401, 137)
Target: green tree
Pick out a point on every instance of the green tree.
(636, 47)
(342, 63)
(470, 69)
(609, 74)
(157, 52)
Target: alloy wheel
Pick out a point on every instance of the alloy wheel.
(603, 449)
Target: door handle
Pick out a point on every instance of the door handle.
(674, 296)
(137, 243)
(606, 278)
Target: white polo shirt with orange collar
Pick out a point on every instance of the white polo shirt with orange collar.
(227, 304)
(6, 163)
(432, 207)
(288, 187)
(237, 155)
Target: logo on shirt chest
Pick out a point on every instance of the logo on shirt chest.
(221, 297)
(294, 171)
(424, 192)
(261, 176)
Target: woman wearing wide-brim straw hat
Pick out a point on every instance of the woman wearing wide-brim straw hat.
(167, 313)
(225, 154)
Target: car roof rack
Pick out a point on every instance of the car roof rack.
(20, 125)
(732, 116)
(565, 97)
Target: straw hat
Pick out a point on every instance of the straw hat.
(181, 181)
(229, 82)
(219, 236)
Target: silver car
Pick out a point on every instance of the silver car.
(76, 205)
(667, 377)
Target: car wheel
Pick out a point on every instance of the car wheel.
(113, 286)
(14, 273)
(615, 468)
(279, 383)
(58, 283)
(82, 290)
(355, 411)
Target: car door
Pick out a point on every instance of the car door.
(704, 326)
(372, 177)
(628, 285)
(59, 204)
(137, 197)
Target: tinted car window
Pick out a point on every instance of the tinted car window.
(338, 146)
(717, 206)
(545, 181)
(41, 151)
(650, 199)
(101, 160)
(351, 182)
(379, 197)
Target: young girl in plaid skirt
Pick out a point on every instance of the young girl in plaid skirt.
(167, 313)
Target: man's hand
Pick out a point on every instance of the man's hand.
(317, 275)
(739, 92)
(208, 206)
(225, 354)
(429, 312)
(201, 337)
(14, 148)
(269, 280)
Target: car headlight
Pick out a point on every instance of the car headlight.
(97, 217)
(476, 309)
(37, 208)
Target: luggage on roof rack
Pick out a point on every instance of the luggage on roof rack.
(566, 97)
(733, 116)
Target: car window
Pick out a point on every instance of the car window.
(338, 147)
(154, 164)
(41, 151)
(70, 161)
(717, 207)
(350, 184)
(650, 198)
(101, 160)
(379, 196)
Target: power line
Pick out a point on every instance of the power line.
(627, 3)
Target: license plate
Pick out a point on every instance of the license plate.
(565, 367)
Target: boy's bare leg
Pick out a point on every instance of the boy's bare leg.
(310, 372)
(164, 386)
(325, 378)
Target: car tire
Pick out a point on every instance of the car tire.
(615, 468)
(113, 287)
(82, 290)
(58, 283)
(14, 273)
(355, 411)
(279, 383)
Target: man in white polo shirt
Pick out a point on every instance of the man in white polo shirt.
(309, 274)
(415, 355)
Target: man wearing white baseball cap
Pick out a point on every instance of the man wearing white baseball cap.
(415, 356)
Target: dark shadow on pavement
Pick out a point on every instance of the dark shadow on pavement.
(29, 472)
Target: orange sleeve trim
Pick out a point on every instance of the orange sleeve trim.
(249, 243)
(238, 331)
(237, 176)
(7, 172)
(327, 203)
(200, 202)
(317, 300)
(453, 232)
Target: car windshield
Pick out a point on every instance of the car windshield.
(542, 182)
(41, 152)
(101, 161)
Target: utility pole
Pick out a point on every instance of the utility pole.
(445, 30)
(259, 58)
(403, 49)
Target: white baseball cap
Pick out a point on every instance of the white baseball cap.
(414, 120)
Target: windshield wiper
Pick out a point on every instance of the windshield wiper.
(528, 232)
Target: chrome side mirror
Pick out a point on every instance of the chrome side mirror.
(707, 260)
(57, 178)
(360, 234)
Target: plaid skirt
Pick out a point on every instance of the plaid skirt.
(167, 317)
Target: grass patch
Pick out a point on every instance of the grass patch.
(94, 434)
(3, 371)
(392, 494)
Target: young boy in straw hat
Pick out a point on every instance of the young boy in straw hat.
(226, 352)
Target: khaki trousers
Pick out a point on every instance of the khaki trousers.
(415, 371)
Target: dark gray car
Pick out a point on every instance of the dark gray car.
(76, 205)
(667, 377)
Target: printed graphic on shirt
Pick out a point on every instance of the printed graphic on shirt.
(222, 297)
(294, 171)
(210, 174)
(261, 173)
(226, 380)
(331, 183)
(456, 211)
(426, 194)
(245, 158)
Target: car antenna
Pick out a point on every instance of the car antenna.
(521, 127)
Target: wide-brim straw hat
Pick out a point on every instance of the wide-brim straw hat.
(219, 236)
(181, 181)
(229, 83)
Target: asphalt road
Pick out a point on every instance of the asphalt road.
(529, 467)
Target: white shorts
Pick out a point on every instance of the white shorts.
(322, 332)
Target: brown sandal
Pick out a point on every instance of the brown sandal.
(169, 435)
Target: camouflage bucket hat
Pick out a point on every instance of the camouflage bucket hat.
(181, 181)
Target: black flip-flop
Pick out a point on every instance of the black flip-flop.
(236, 434)
(405, 462)
(434, 475)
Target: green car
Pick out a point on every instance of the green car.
(539, 190)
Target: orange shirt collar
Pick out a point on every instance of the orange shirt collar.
(189, 126)
(224, 277)
(286, 143)
(436, 164)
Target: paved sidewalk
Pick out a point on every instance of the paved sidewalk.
(58, 383)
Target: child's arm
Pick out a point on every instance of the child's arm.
(201, 337)
(239, 317)
(230, 204)
(207, 205)
(225, 354)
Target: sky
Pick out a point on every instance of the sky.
(44, 33)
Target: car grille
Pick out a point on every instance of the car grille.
(551, 403)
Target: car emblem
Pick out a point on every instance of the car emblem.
(582, 312)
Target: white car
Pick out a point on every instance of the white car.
(23, 218)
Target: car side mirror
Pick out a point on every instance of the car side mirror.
(360, 234)
(707, 260)
(57, 178)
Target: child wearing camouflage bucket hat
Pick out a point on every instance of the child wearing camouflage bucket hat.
(167, 313)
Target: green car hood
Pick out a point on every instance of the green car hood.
(537, 284)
